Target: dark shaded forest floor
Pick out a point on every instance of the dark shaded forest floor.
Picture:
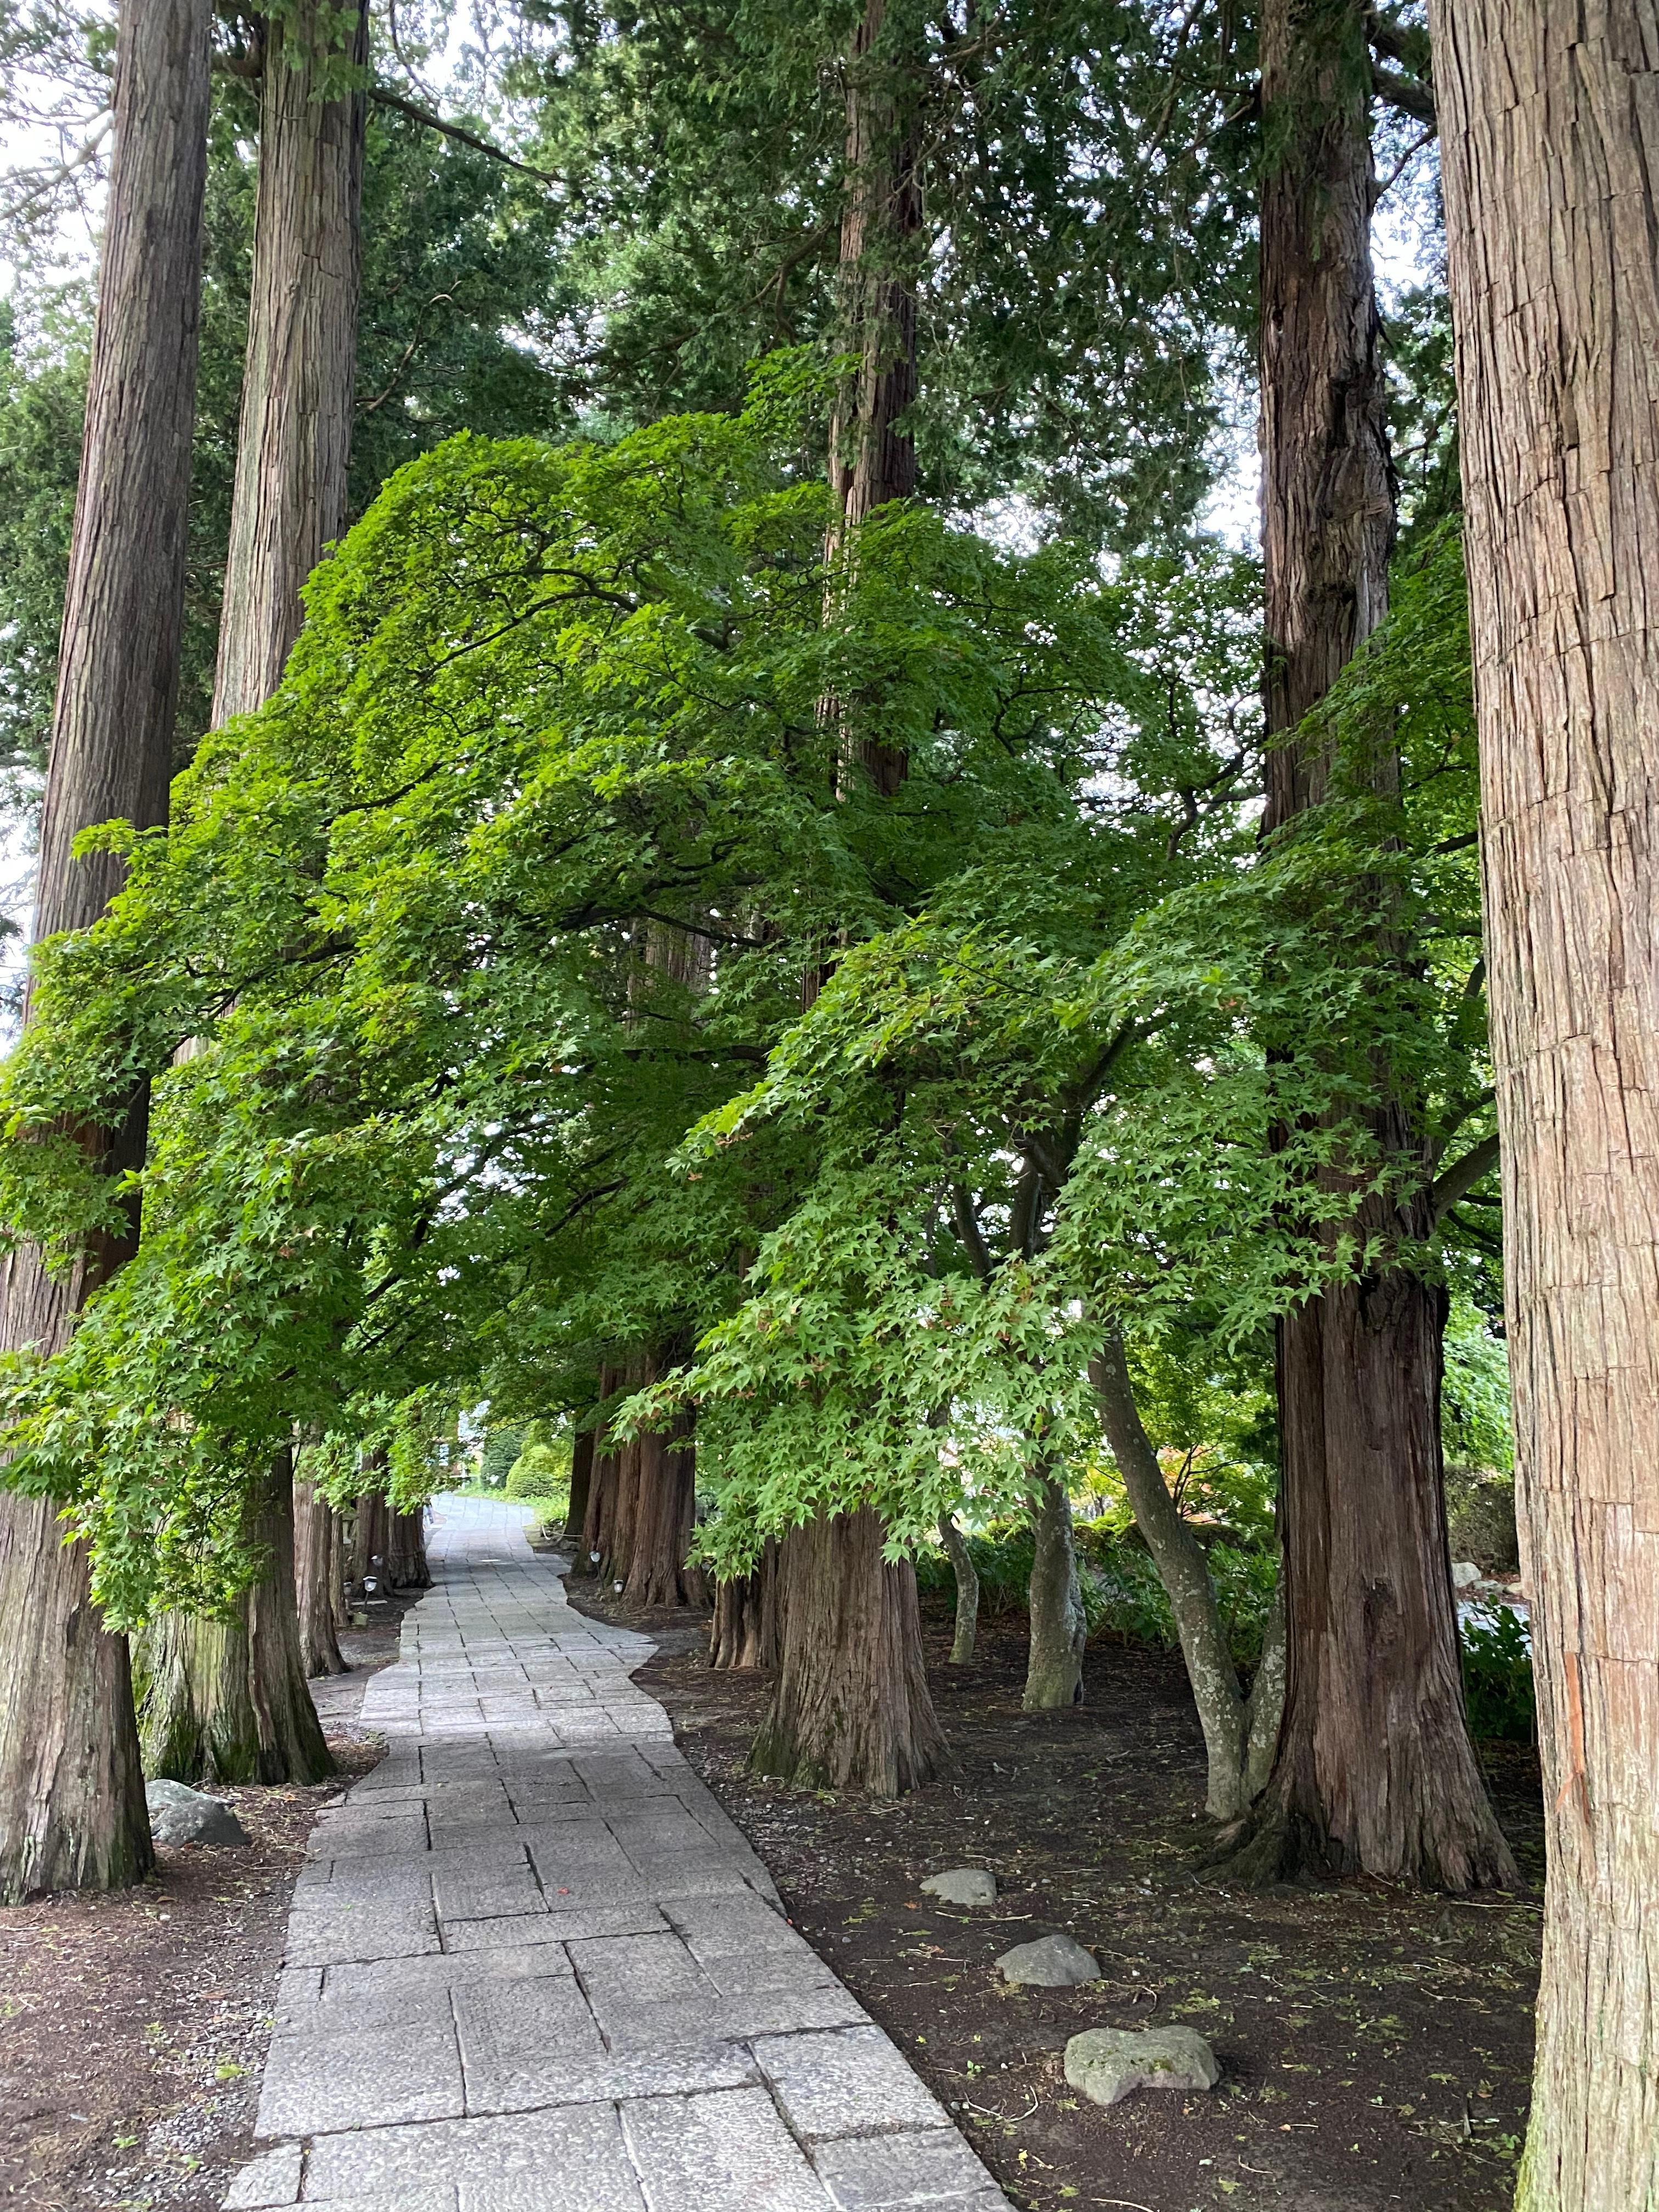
(1377, 2044)
(133, 2026)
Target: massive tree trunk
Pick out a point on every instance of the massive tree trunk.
(1375, 1772)
(294, 437)
(1549, 148)
(318, 1578)
(581, 1482)
(658, 1573)
(851, 1710)
(226, 1700)
(1054, 1671)
(617, 1557)
(1239, 1730)
(289, 501)
(746, 1630)
(71, 1794)
(371, 1536)
(405, 1559)
(597, 1521)
(863, 1718)
(965, 1632)
(873, 459)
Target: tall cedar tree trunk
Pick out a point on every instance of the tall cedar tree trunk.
(371, 1537)
(746, 1629)
(657, 1493)
(289, 501)
(581, 1482)
(317, 1553)
(1240, 1731)
(1375, 1770)
(226, 1700)
(965, 1634)
(1548, 131)
(618, 1556)
(862, 1718)
(602, 1493)
(405, 1559)
(294, 437)
(851, 1710)
(658, 1573)
(71, 1793)
(1053, 1670)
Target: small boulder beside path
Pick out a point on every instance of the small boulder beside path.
(181, 1816)
(1052, 1962)
(962, 1886)
(1107, 2062)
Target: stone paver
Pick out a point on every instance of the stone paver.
(532, 1967)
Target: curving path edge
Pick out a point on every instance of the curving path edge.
(531, 1967)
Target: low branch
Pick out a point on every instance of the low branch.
(1409, 95)
(972, 1235)
(383, 97)
(1458, 1180)
(1425, 139)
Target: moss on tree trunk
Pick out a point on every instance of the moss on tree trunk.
(226, 1700)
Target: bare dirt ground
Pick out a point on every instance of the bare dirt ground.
(133, 2026)
(1376, 2043)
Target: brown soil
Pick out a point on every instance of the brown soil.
(133, 2026)
(1376, 2043)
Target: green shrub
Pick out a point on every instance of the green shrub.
(1122, 1595)
(1002, 1558)
(540, 1472)
(1497, 1684)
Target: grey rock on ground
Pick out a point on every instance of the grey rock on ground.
(962, 1886)
(1107, 2062)
(181, 1816)
(1052, 1962)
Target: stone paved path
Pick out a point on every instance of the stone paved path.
(532, 1967)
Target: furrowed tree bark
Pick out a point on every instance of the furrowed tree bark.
(370, 1534)
(828, 1586)
(71, 1793)
(1053, 1670)
(1230, 1721)
(965, 1631)
(226, 1700)
(618, 1555)
(602, 1494)
(746, 1628)
(290, 500)
(581, 1482)
(851, 1710)
(339, 1608)
(405, 1563)
(872, 458)
(317, 1553)
(1549, 131)
(1375, 1772)
(294, 437)
(658, 1573)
